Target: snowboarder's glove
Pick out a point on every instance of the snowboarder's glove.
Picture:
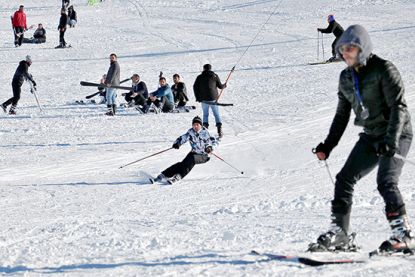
(323, 148)
(385, 149)
(208, 149)
(176, 146)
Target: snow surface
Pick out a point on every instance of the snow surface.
(67, 209)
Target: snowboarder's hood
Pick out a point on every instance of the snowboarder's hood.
(358, 36)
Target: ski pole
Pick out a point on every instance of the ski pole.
(318, 45)
(33, 90)
(155, 154)
(322, 44)
(227, 163)
(326, 164)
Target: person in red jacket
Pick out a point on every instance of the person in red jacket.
(19, 26)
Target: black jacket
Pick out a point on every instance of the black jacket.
(334, 28)
(72, 14)
(206, 86)
(22, 74)
(179, 90)
(40, 34)
(63, 21)
(141, 88)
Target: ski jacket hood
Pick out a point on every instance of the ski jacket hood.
(358, 36)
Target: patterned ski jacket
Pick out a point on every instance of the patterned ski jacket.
(198, 141)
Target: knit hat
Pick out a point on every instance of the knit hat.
(28, 58)
(330, 18)
(197, 119)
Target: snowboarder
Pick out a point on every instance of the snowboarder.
(206, 90)
(39, 36)
(202, 144)
(179, 91)
(162, 98)
(62, 29)
(72, 17)
(139, 93)
(113, 79)
(19, 26)
(335, 28)
(373, 88)
(21, 74)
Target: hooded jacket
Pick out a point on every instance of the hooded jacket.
(22, 74)
(382, 93)
(206, 86)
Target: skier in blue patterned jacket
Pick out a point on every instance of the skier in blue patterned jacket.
(202, 144)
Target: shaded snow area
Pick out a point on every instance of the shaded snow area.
(66, 209)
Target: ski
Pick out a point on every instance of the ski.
(306, 260)
(217, 103)
(89, 84)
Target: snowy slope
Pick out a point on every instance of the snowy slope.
(66, 208)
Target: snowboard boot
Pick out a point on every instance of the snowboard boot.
(110, 111)
(12, 110)
(4, 108)
(174, 179)
(402, 239)
(336, 238)
(206, 125)
(220, 132)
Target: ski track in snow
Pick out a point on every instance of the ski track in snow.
(67, 208)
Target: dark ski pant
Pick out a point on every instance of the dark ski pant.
(185, 166)
(181, 99)
(138, 100)
(62, 41)
(18, 39)
(361, 161)
(333, 47)
(16, 96)
(164, 104)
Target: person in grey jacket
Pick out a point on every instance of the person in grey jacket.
(201, 143)
(113, 79)
(372, 87)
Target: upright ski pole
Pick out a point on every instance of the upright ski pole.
(322, 44)
(326, 164)
(33, 90)
(318, 46)
(227, 163)
(152, 155)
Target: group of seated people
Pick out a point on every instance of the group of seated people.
(164, 99)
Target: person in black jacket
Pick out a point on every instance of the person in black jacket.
(21, 74)
(62, 29)
(205, 89)
(139, 93)
(372, 87)
(334, 28)
(39, 36)
(72, 18)
(179, 91)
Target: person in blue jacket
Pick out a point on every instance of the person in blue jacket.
(163, 97)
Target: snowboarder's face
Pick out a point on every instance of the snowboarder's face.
(196, 127)
(350, 54)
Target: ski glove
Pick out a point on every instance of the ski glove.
(322, 147)
(208, 149)
(385, 149)
(176, 146)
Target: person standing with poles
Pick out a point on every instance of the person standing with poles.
(334, 28)
(373, 88)
(202, 144)
(19, 26)
(21, 74)
(205, 89)
(113, 79)
(62, 29)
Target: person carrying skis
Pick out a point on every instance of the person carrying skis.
(139, 93)
(335, 28)
(162, 98)
(113, 79)
(202, 144)
(205, 89)
(373, 88)
(39, 36)
(19, 26)
(72, 17)
(179, 91)
(21, 74)
(62, 29)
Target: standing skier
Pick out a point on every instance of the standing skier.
(337, 31)
(62, 29)
(202, 145)
(113, 79)
(373, 88)
(206, 91)
(21, 74)
(19, 26)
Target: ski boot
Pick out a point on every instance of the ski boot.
(174, 179)
(4, 108)
(12, 110)
(158, 179)
(206, 125)
(334, 240)
(401, 241)
(110, 111)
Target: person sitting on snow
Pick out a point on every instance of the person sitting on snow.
(39, 36)
(162, 98)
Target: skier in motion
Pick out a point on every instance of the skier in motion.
(373, 88)
(337, 31)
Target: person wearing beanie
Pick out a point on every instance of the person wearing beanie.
(334, 28)
(21, 74)
(373, 88)
(201, 143)
(205, 89)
